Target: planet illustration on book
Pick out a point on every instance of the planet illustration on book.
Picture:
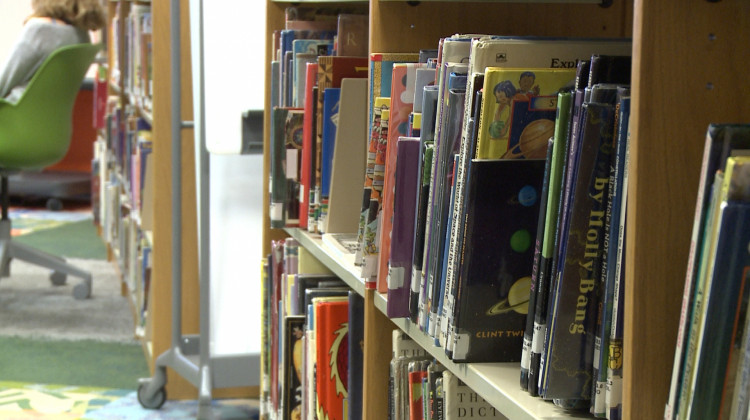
(517, 300)
(532, 143)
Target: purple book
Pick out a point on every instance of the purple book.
(402, 233)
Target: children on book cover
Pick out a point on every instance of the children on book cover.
(519, 117)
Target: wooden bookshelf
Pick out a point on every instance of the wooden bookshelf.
(687, 64)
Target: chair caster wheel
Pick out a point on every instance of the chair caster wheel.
(54, 204)
(81, 291)
(153, 402)
(58, 279)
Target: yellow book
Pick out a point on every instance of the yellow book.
(518, 111)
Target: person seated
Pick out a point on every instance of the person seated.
(52, 24)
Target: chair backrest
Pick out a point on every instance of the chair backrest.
(35, 131)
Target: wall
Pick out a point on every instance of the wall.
(14, 12)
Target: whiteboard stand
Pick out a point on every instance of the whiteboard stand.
(190, 355)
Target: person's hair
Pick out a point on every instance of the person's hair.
(86, 14)
(506, 86)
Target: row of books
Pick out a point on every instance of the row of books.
(422, 389)
(312, 333)
(312, 360)
(134, 74)
(460, 203)
(711, 372)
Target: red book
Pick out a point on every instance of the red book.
(308, 130)
(332, 355)
(416, 395)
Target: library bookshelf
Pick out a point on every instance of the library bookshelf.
(156, 333)
(687, 71)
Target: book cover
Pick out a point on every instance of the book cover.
(352, 32)
(305, 51)
(355, 348)
(417, 373)
(349, 159)
(496, 260)
(292, 367)
(402, 234)
(371, 236)
(526, 99)
(726, 299)
(307, 166)
(570, 341)
(370, 192)
(403, 84)
(462, 402)
(331, 102)
(303, 282)
(380, 75)
(426, 141)
(613, 69)
(286, 147)
(721, 140)
(331, 329)
(331, 70)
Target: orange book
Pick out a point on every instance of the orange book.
(332, 355)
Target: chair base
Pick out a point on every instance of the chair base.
(10, 249)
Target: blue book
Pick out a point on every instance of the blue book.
(331, 97)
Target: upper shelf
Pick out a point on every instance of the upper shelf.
(498, 383)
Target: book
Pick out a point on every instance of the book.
(460, 401)
(305, 281)
(726, 301)
(355, 357)
(610, 250)
(403, 83)
(496, 259)
(402, 234)
(721, 141)
(331, 329)
(305, 51)
(351, 34)
(426, 139)
(331, 70)
(307, 166)
(417, 373)
(570, 332)
(286, 148)
(292, 366)
(514, 124)
(349, 159)
(380, 76)
(331, 102)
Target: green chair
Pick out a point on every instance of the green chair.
(35, 133)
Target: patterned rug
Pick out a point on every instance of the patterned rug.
(26, 220)
(35, 401)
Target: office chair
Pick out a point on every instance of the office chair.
(35, 133)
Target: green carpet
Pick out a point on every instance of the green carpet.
(72, 240)
(79, 363)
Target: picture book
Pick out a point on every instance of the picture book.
(371, 192)
(402, 234)
(402, 94)
(726, 299)
(305, 51)
(331, 70)
(331, 329)
(496, 260)
(286, 147)
(371, 237)
(303, 282)
(571, 330)
(518, 111)
(721, 141)
(331, 102)
(349, 159)
(426, 138)
(417, 373)
(380, 75)
(307, 167)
